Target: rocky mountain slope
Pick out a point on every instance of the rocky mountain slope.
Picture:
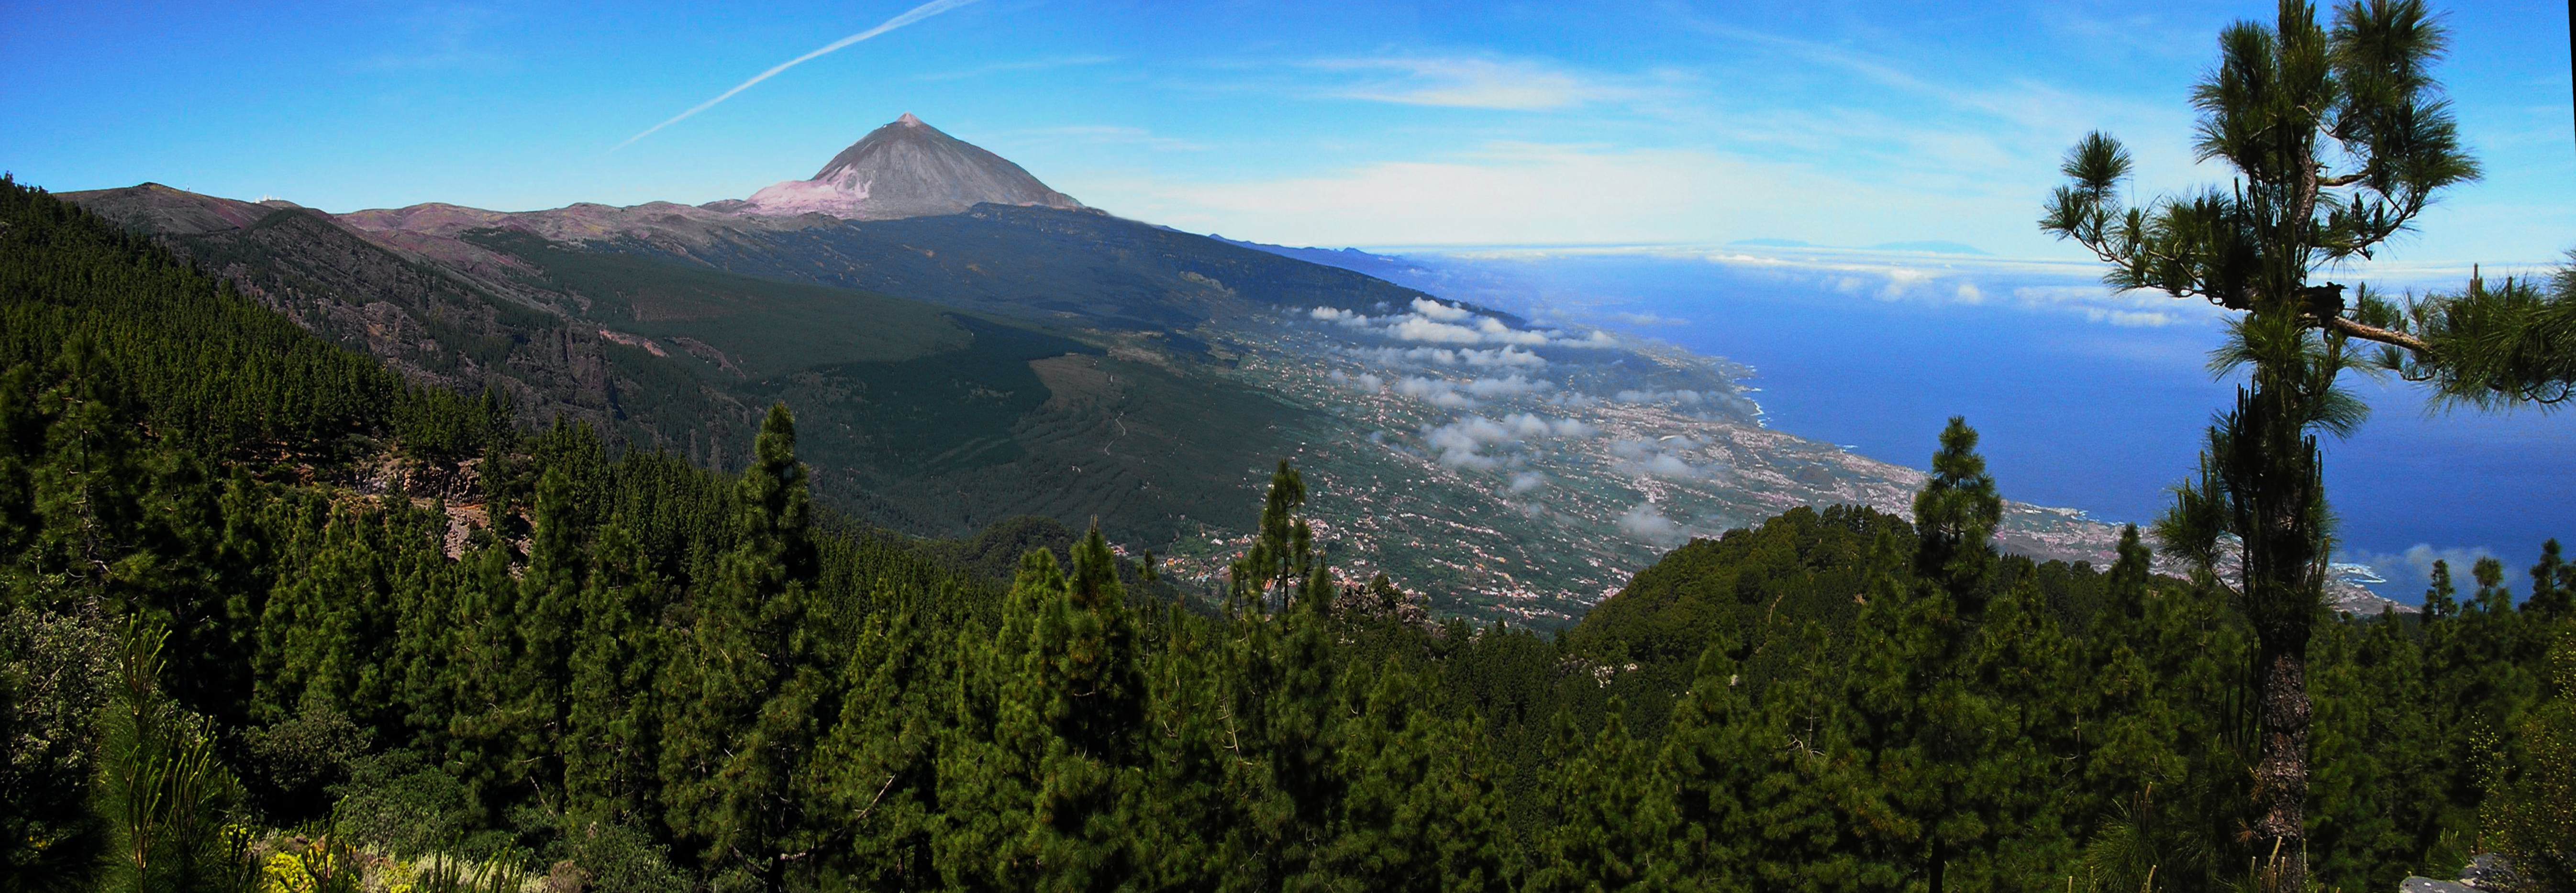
(906, 169)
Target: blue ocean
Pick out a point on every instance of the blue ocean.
(2083, 399)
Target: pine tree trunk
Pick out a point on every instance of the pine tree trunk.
(2277, 471)
(2281, 774)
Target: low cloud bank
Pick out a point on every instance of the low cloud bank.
(1662, 459)
(1454, 394)
(1365, 382)
(1453, 326)
(1462, 443)
(1644, 522)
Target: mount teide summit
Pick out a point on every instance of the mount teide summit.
(905, 169)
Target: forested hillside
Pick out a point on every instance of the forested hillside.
(277, 620)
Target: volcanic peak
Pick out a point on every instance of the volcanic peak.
(907, 168)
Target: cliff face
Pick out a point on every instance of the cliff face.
(907, 169)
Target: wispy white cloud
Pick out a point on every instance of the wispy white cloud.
(2049, 286)
(1649, 319)
(1644, 522)
(2030, 104)
(1455, 394)
(2130, 318)
(1658, 458)
(1518, 84)
(1691, 155)
(1504, 357)
(2413, 567)
(1509, 193)
(445, 37)
(2138, 31)
(1043, 64)
(1436, 310)
(1485, 330)
(1438, 392)
(915, 14)
(1456, 327)
(1513, 385)
(1684, 397)
(1462, 443)
(1365, 382)
(1113, 135)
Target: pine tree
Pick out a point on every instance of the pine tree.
(1198, 763)
(2441, 599)
(1943, 719)
(1955, 516)
(1279, 689)
(1610, 814)
(2283, 98)
(484, 722)
(1040, 782)
(2476, 681)
(550, 589)
(2128, 712)
(166, 797)
(54, 686)
(320, 628)
(1420, 810)
(2011, 824)
(22, 447)
(88, 494)
(2490, 346)
(1073, 714)
(2553, 585)
(2532, 812)
(1281, 562)
(1850, 790)
(739, 696)
(878, 765)
(1715, 750)
(608, 745)
(2350, 831)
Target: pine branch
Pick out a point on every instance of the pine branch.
(2348, 327)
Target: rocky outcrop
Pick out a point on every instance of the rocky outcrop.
(2486, 873)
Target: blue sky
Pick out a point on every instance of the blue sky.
(1299, 122)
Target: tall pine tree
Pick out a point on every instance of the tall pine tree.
(739, 696)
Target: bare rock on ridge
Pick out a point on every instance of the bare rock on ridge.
(161, 210)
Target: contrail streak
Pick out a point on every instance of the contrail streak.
(917, 13)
